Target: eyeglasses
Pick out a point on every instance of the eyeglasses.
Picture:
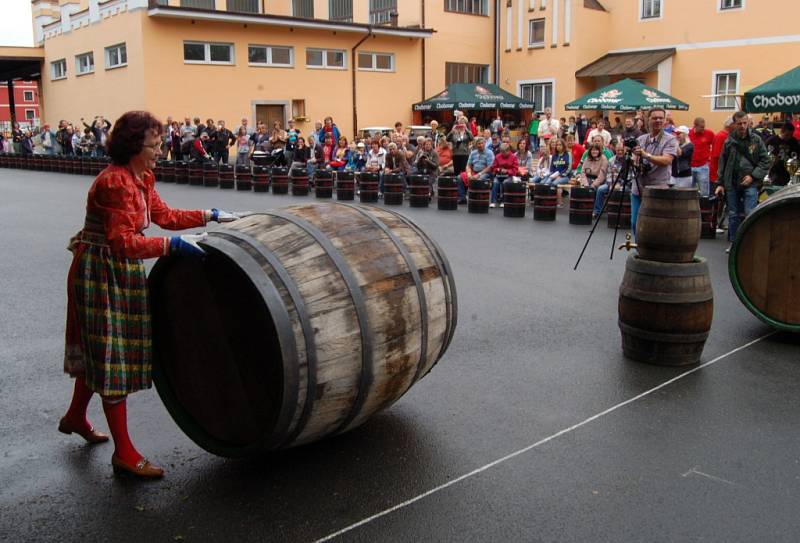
(155, 146)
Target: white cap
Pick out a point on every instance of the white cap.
(682, 128)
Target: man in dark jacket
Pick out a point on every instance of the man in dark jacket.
(223, 139)
(100, 128)
(742, 166)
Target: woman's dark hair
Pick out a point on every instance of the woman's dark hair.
(595, 147)
(127, 137)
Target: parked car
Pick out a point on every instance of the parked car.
(418, 130)
(373, 130)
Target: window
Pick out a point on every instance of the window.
(202, 4)
(541, 94)
(725, 90)
(84, 64)
(30, 114)
(455, 72)
(58, 69)
(475, 7)
(325, 58)
(340, 10)
(731, 4)
(536, 32)
(651, 9)
(303, 8)
(380, 11)
(116, 56)
(27, 96)
(207, 53)
(270, 55)
(244, 6)
(376, 62)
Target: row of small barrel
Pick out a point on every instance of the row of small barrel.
(55, 163)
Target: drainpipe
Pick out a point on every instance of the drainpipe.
(422, 24)
(496, 71)
(353, 62)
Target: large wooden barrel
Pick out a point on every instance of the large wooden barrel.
(665, 311)
(299, 324)
(668, 227)
(764, 262)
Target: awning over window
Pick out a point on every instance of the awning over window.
(626, 63)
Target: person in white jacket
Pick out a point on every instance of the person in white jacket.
(548, 125)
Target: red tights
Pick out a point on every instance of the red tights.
(116, 411)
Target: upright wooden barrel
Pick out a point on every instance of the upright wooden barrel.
(419, 190)
(226, 178)
(196, 174)
(447, 193)
(181, 172)
(581, 205)
(665, 311)
(260, 179)
(764, 262)
(708, 217)
(545, 202)
(668, 227)
(619, 209)
(244, 177)
(323, 184)
(299, 181)
(300, 323)
(479, 195)
(211, 174)
(280, 180)
(345, 186)
(394, 185)
(368, 184)
(514, 197)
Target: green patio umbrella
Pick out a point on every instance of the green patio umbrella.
(469, 96)
(778, 95)
(627, 95)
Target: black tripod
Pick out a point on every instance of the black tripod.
(622, 177)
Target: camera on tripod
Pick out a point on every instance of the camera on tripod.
(644, 165)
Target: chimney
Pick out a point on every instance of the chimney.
(393, 18)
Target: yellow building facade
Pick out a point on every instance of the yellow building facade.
(364, 62)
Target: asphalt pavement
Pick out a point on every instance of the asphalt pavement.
(533, 427)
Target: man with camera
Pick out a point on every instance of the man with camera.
(743, 164)
(654, 152)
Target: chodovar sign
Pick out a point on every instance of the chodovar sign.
(761, 100)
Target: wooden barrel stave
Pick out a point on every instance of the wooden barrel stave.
(336, 391)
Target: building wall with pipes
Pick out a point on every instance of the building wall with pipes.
(156, 77)
(743, 46)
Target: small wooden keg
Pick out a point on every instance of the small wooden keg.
(668, 227)
(665, 311)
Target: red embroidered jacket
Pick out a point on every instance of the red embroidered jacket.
(120, 207)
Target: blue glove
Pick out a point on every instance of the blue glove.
(186, 245)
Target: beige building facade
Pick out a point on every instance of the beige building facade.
(364, 62)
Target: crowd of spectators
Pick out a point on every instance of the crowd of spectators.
(577, 150)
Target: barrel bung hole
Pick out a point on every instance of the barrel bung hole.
(217, 347)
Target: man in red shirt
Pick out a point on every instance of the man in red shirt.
(716, 148)
(702, 140)
(505, 165)
(796, 123)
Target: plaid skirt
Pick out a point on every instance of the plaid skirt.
(108, 322)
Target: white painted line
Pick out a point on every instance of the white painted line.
(537, 444)
(695, 471)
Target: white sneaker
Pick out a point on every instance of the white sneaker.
(728, 250)
(720, 230)
(492, 205)
(502, 205)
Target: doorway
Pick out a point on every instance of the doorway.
(269, 113)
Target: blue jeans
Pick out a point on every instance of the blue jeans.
(497, 189)
(553, 181)
(599, 198)
(533, 143)
(636, 202)
(740, 203)
(700, 179)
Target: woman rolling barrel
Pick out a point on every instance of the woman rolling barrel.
(108, 341)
